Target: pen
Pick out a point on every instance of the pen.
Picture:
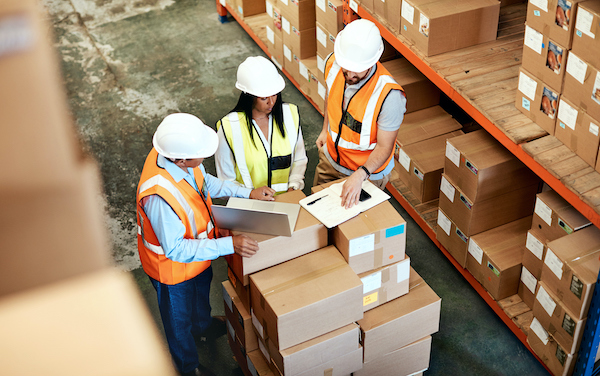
(315, 200)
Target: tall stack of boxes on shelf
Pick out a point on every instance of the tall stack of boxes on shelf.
(63, 306)
(558, 85)
(337, 301)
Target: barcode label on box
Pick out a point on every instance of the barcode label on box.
(546, 301)
(444, 223)
(567, 114)
(361, 245)
(371, 282)
(584, 22)
(539, 330)
(576, 67)
(404, 159)
(452, 154)
(528, 279)
(542, 4)
(476, 251)
(543, 211)
(534, 40)
(554, 263)
(527, 85)
(408, 12)
(535, 245)
(448, 189)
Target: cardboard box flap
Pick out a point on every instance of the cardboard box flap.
(565, 211)
(423, 124)
(502, 243)
(481, 149)
(377, 218)
(309, 278)
(429, 154)
(579, 251)
(419, 295)
(442, 8)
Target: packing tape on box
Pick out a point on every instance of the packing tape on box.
(385, 275)
(328, 372)
(378, 255)
(372, 228)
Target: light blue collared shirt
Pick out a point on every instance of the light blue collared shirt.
(170, 230)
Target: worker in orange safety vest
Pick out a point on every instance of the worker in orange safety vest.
(364, 107)
(177, 236)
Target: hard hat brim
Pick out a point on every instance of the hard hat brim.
(276, 88)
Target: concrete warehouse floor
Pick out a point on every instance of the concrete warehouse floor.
(127, 64)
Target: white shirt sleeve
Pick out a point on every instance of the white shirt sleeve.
(392, 111)
(298, 168)
(224, 161)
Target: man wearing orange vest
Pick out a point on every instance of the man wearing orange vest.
(177, 237)
(364, 108)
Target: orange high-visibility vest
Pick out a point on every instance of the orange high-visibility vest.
(192, 209)
(352, 134)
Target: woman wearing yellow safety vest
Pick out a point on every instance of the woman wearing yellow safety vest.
(260, 141)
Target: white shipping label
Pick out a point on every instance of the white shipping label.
(223, 2)
(594, 129)
(270, 35)
(227, 299)
(354, 6)
(546, 301)
(576, 67)
(448, 189)
(528, 279)
(408, 12)
(584, 22)
(284, 2)
(321, 90)
(542, 4)
(263, 350)
(322, 37)
(269, 9)
(321, 64)
(539, 330)
(257, 324)
(287, 53)
(285, 25)
(527, 85)
(231, 330)
(452, 154)
(371, 282)
(444, 222)
(321, 4)
(303, 70)
(404, 159)
(535, 246)
(476, 251)
(554, 263)
(543, 211)
(534, 40)
(567, 114)
(361, 245)
(403, 271)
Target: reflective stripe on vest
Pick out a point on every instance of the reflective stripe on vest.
(236, 132)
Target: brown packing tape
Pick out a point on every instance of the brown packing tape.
(371, 227)
(328, 372)
(383, 296)
(385, 275)
(304, 278)
(378, 258)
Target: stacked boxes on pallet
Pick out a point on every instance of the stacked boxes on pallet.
(483, 186)
(57, 281)
(559, 88)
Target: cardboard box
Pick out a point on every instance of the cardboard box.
(422, 164)
(571, 268)
(315, 352)
(330, 14)
(535, 251)
(582, 88)
(53, 234)
(385, 284)
(367, 4)
(239, 318)
(257, 365)
(425, 124)
(448, 25)
(34, 105)
(537, 101)
(300, 13)
(452, 238)
(408, 360)
(558, 320)
(325, 40)
(474, 217)
(275, 13)
(586, 39)
(372, 239)
(308, 80)
(247, 8)
(302, 42)
(96, 321)
(554, 217)
(495, 257)
(401, 321)
(483, 168)
(309, 235)
(549, 351)
(421, 92)
(321, 68)
(290, 65)
(527, 287)
(344, 365)
(544, 57)
(576, 129)
(243, 292)
(389, 10)
(554, 18)
(275, 47)
(305, 297)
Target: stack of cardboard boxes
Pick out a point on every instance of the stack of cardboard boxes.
(559, 88)
(483, 186)
(307, 293)
(63, 308)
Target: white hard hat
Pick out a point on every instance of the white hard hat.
(259, 76)
(184, 136)
(358, 46)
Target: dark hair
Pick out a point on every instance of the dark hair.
(245, 103)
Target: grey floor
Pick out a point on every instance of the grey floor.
(127, 64)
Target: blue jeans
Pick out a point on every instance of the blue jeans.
(185, 312)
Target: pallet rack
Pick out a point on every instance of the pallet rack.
(491, 108)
